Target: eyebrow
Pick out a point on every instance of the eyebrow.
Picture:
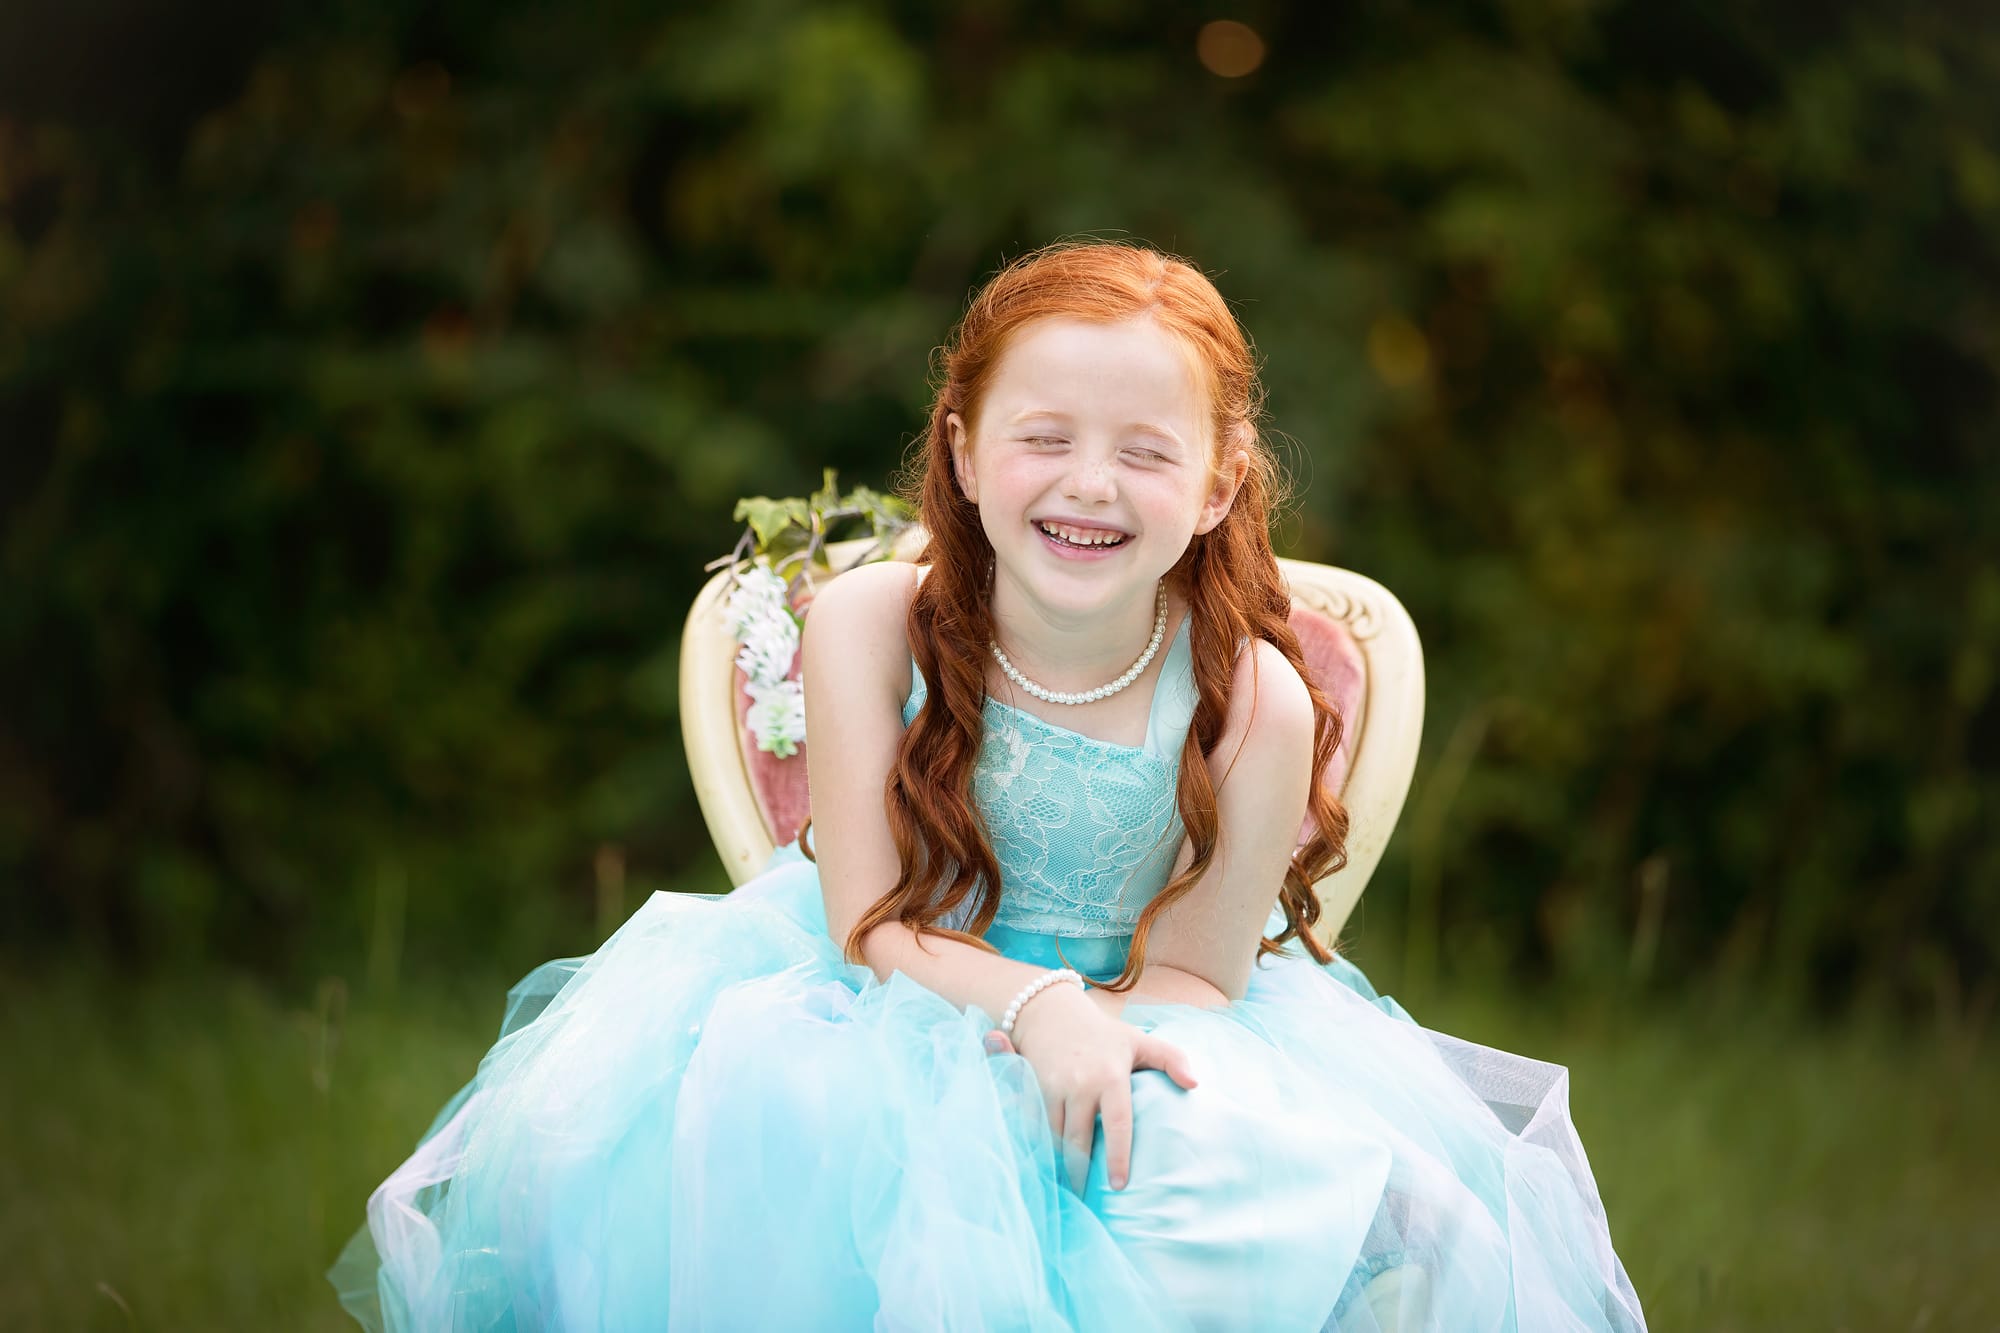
(1166, 433)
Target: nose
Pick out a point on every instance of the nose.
(1090, 481)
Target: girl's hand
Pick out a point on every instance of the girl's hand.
(1083, 1060)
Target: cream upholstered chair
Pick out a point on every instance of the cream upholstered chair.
(1357, 638)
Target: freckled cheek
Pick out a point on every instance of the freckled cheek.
(1161, 503)
(1024, 488)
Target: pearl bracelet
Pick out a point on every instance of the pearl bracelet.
(1034, 988)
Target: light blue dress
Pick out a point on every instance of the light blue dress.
(715, 1123)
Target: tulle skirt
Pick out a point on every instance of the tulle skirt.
(715, 1123)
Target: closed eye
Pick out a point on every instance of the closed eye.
(1150, 455)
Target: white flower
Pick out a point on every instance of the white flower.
(766, 647)
(778, 716)
(759, 596)
(767, 637)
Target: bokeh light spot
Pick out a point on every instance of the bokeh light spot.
(1398, 351)
(1229, 48)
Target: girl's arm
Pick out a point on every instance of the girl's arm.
(857, 673)
(1201, 948)
(1160, 984)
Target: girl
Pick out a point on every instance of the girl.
(1058, 768)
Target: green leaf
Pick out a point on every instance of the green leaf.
(768, 518)
(828, 495)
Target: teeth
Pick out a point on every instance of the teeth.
(1081, 536)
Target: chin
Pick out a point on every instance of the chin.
(1091, 589)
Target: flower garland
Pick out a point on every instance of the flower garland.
(767, 630)
(783, 543)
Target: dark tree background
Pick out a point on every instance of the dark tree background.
(375, 380)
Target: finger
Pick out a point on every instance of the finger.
(1079, 1128)
(1116, 1112)
(1153, 1053)
(998, 1043)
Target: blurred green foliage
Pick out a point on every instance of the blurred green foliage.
(372, 396)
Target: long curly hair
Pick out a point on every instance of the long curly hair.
(1228, 576)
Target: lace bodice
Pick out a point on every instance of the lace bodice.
(1085, 831)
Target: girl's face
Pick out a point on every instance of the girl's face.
(1101, 431)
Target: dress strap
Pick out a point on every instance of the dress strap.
(1174, 696)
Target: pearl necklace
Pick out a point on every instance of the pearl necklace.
(1102, 691)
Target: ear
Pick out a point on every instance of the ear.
(1228, 479)
(961, 456)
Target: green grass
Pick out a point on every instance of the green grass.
(193, 1154)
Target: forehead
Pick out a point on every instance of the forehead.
(1133, 370)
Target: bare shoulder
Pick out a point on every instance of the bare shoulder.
(876, 591)
(1270, 710)
(1267, 691)
(854, 633)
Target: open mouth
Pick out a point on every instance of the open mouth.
(1081, 539)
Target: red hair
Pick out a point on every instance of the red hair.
(1228, 575)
